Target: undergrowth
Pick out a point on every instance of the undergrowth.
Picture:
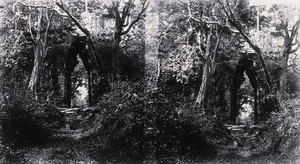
(139, 126)
(285, 127)
(26, 122)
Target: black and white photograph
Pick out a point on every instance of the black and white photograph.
(149, 82)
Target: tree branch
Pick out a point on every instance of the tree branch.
(207, 48)
(116, 9)
(295, 49)
(30, 28)
(295, 41)
(202, 57)
(39, 26)
(126, 10)
(190, 16)
(231, 12)
(48, 27)
(127, 22)
(84, 30)
(218, 35)
(144, 7)
(295, 28)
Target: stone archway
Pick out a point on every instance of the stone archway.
(245, 66)
(78, 47)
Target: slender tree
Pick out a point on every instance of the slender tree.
(124, 21)
(38, 26)
(40, 50)
(291, 45)
(209, 64)
(209, 36)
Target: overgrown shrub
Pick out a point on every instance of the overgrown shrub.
(285, 127)
(26, 122)
(142, 126)
(268, 105)
(279, 133)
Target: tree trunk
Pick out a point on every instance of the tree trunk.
(207, 71)
(36, 71)
(116, 44)
(291, 45)
(38, 52)
(286, 53)
(283, 80)
(151, 45)
(202, 95)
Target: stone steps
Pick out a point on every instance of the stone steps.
(79, 123)
(245, 139)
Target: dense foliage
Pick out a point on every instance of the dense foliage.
(138, 126)
(26, 122)
(149, 80)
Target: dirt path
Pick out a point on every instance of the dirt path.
(67, 146)
(58, 152)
